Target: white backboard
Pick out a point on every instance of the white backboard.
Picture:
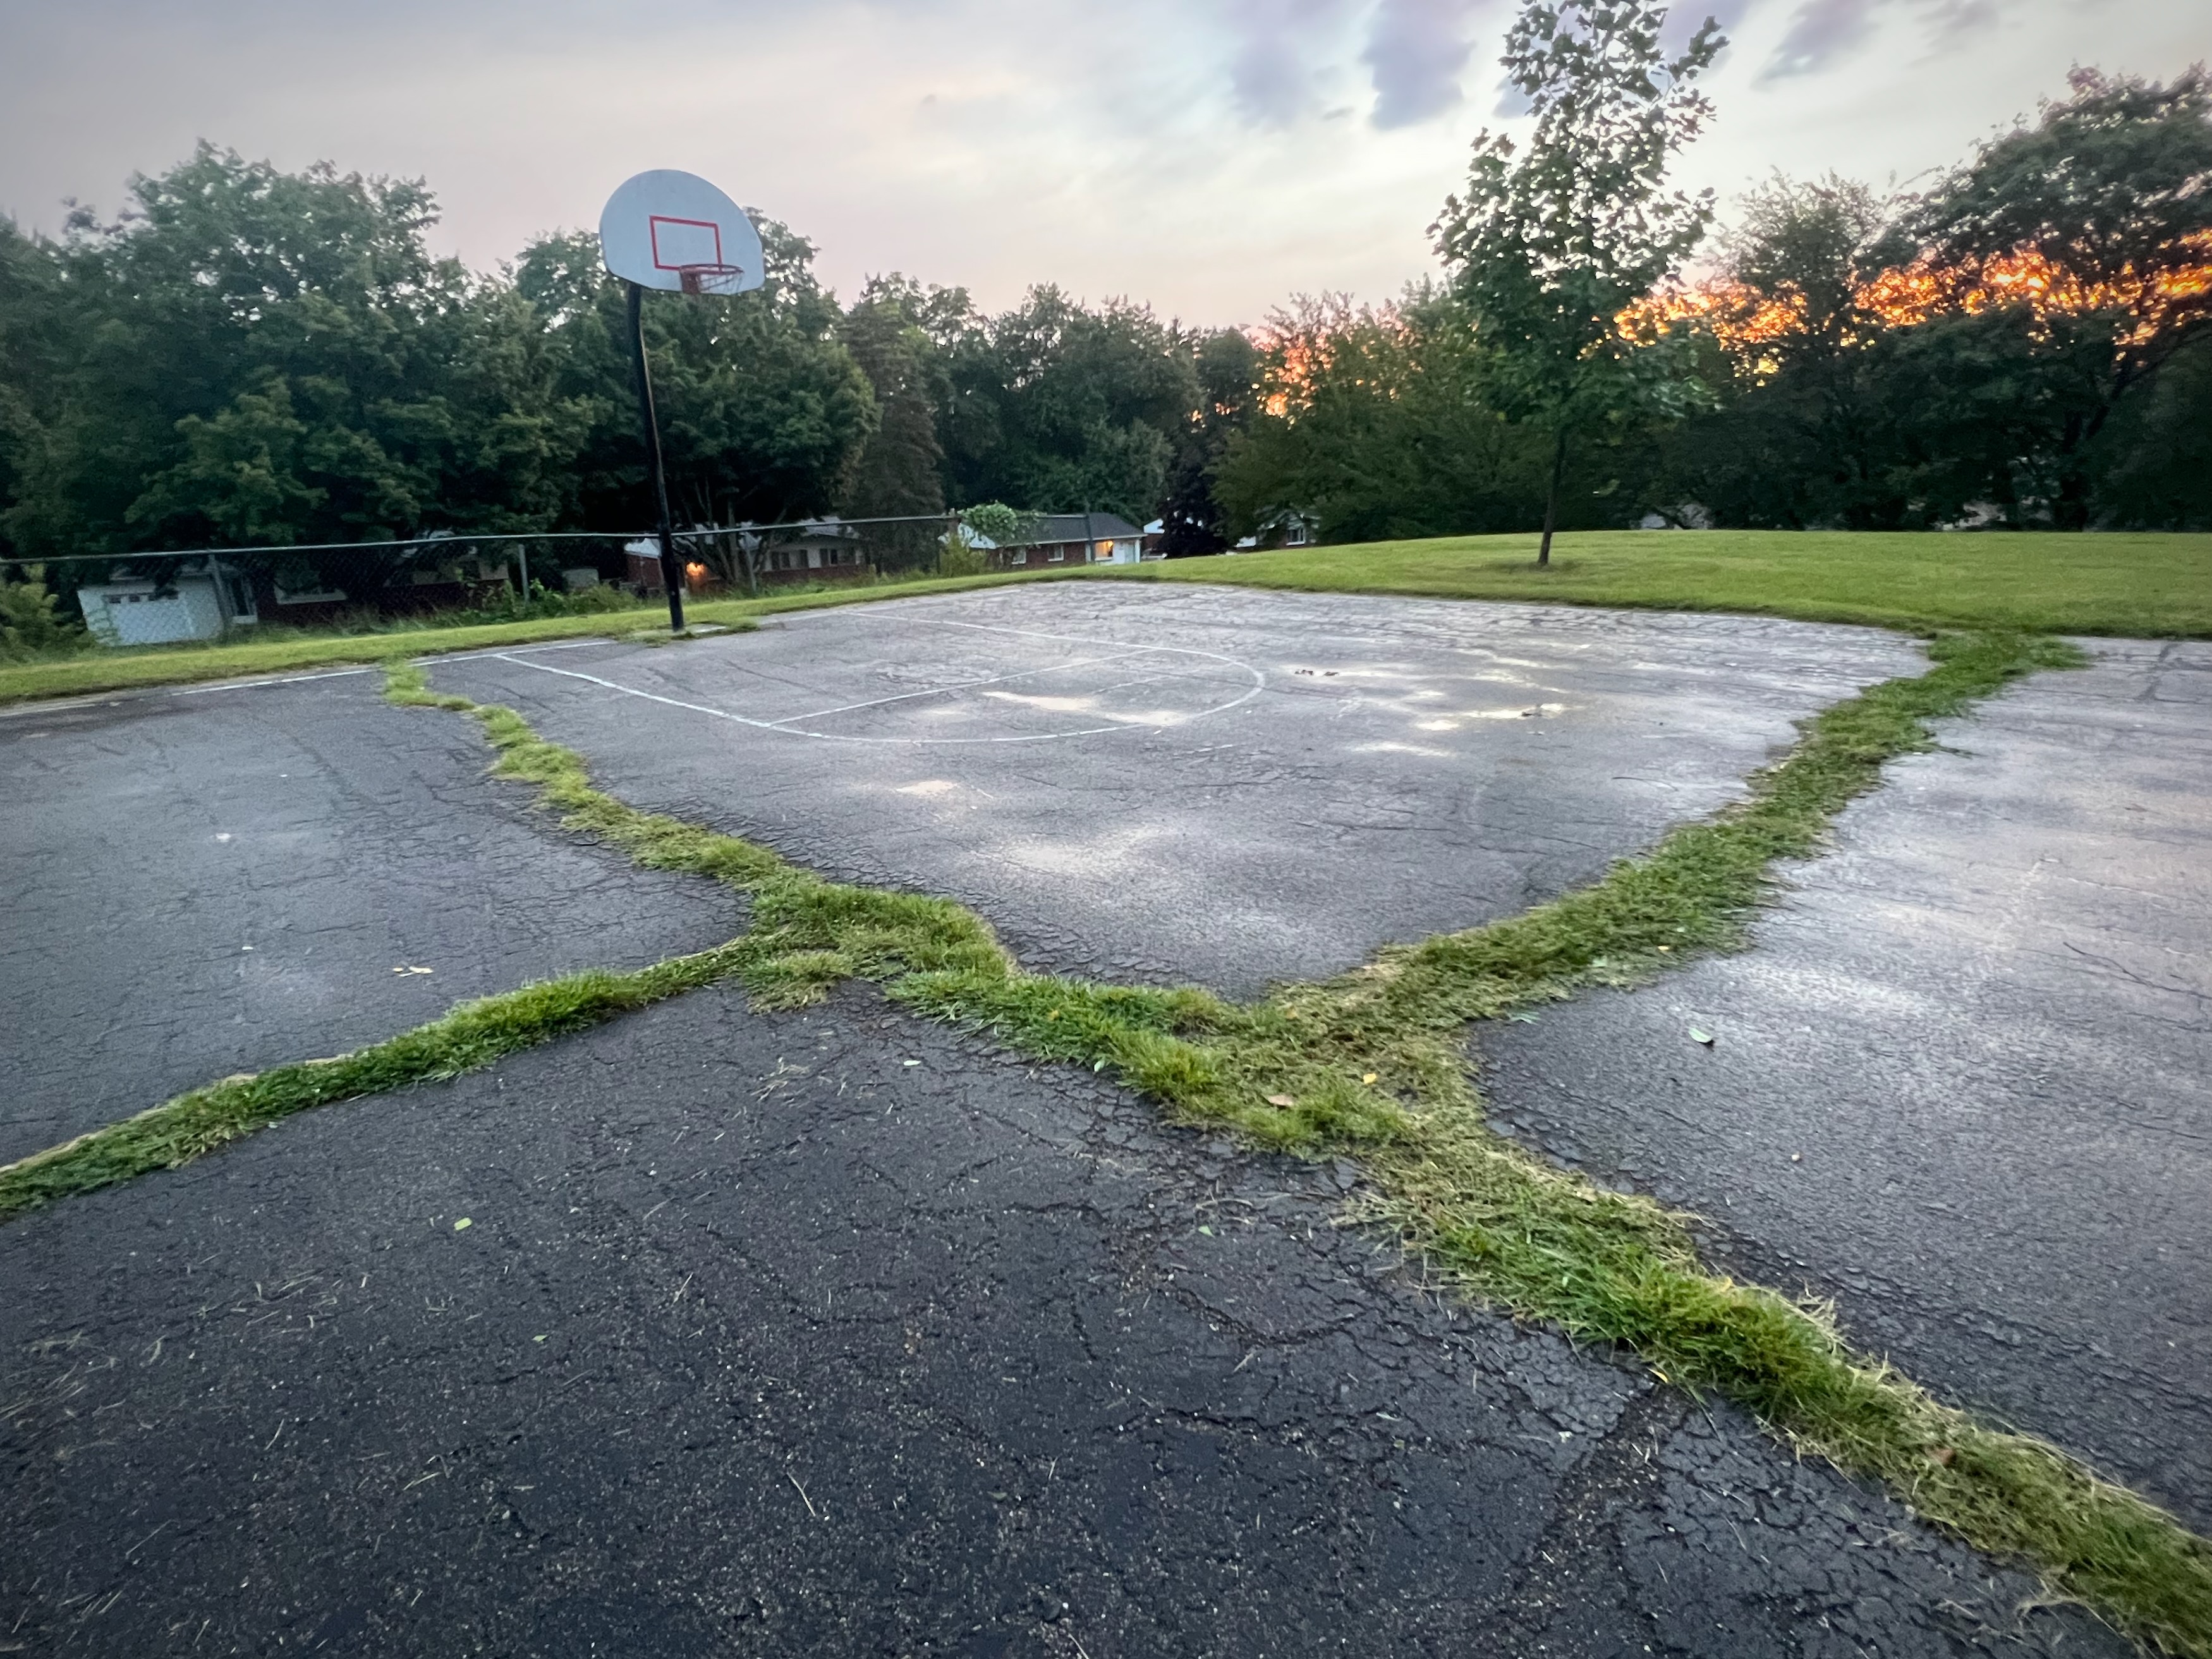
(676, 232)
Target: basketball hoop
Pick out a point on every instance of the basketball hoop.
(711, 279)
(676, 234)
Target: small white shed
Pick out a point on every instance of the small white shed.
(195, 603)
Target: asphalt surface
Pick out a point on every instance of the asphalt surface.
(834, 1333)
(1208, 785)
(843, 1353)
(1963, 1083)
(205, 883)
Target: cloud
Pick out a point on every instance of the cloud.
(1823, 30)
(1176, 150)
(1271, 74)
(1416, 50)
(1283, 51)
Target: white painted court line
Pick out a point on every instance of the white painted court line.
(942, 690)
(632, 691)
(784, 728)
(138, 693)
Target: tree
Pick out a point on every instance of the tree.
(763, 411)
(38, 327)
(2094, 228)
(1547, 249)
(1797, 435)
(1062, 408)
(2151, 468)
(1228, 367)
(1377, 420)
(900, 471)
(262, 357)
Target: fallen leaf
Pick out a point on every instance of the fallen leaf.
(1282, 1100)
(1367, 1077)
(1705, 1037)
(1944, 1455)
(463, 1222)
(1209, 1232)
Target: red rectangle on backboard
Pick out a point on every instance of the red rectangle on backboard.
(685, 244)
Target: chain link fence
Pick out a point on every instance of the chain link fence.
(210, 594)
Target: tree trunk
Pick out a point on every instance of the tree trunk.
(1552, 501)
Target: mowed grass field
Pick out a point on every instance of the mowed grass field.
(2155, 587)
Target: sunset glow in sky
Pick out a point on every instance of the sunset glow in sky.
(1211, 157)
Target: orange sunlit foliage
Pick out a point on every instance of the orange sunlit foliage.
(1302, 345)
(1749, 326)
(1291, 374)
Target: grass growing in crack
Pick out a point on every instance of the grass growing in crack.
(472, 1035)
(1371, 1065)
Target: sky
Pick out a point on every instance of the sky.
(1210, 157)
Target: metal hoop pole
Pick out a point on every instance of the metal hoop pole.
(672, 573)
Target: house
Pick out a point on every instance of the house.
(820, 550)
(1286, 526)
(1290, 526)
(1076, 538)
(198, 600)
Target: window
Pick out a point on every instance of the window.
(1053, 555)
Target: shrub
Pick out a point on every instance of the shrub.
(31, 621)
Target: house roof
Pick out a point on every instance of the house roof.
(1069, 527)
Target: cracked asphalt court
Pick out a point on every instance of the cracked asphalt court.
(836, 1331)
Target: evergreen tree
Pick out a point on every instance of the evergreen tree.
(1228, 367)
(900, 472)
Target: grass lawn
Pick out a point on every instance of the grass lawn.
(2144, 586)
